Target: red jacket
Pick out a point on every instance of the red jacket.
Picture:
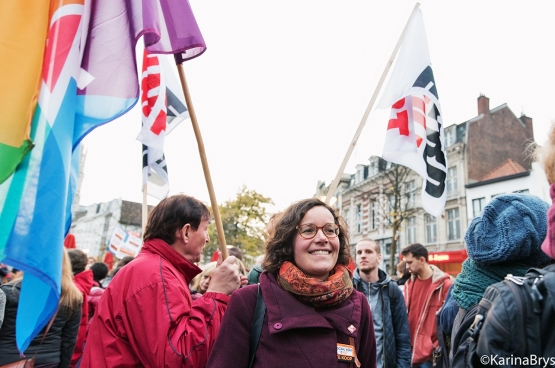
(84, 281)
(424, 335)
(94, 296)
(146, 316)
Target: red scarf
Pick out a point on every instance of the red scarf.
(311, 291)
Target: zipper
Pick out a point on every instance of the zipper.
(420, 322)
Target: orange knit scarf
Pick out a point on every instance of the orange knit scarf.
(314, 292)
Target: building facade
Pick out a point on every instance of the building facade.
(486, 156)
(93, 225)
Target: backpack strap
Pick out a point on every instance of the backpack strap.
(393, 296)
(527, 322)
(257, 322)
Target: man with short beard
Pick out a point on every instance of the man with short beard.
(388, 306)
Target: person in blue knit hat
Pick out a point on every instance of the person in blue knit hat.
(506, 239)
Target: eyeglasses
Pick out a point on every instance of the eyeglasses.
(309, 231)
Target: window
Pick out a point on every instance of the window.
(373, 169)
(452, 185)
(411, 194)
(359, 174)
(449, 137)
(373, 214)
(411, 230)
(523, 191)
(359, 218)
(431, 228)
(453, 224)
(347, 219)
(477, 206)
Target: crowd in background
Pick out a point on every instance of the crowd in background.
(303, 303)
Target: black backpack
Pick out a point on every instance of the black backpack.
(515, 322)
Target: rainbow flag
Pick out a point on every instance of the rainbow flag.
(22, 50)
(87, 77)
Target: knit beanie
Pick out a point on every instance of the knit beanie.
(511, 228)
(548, 245)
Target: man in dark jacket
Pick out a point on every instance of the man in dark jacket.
(388, 307)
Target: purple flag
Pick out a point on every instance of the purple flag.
(108, 85)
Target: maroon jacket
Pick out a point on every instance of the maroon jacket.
(293, 334)
(146, 317)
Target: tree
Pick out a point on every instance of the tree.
(243, 220)
(398, 203)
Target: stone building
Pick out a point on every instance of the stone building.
(93, 225)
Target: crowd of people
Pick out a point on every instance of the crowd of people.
(300, 305)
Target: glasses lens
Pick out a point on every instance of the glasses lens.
(331, 230)
(308, 231)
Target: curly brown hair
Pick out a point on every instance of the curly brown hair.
(279, 247)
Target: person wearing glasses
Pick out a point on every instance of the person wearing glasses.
(313, 317)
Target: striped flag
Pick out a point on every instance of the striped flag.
(22, 53)
(163, 108)
(415, 132)
(87, 78)
(35, 197)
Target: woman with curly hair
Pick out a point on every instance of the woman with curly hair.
(313, 316)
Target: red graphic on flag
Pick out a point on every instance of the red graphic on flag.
(151, 93)
(63, 31)
(402, 120)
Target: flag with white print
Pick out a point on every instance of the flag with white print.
(163, 108)
(153, 103)
(415, 132)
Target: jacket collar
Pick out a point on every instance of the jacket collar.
(438, 276)
(164, 250)
(383, 277)
(285, 312)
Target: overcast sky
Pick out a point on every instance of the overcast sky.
(283, 86)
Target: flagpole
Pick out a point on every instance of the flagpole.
(335, 182)
(203, 159)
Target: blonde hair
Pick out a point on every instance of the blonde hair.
(70, 296)
(546, 155)
(206, 270)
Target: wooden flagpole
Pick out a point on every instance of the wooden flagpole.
(206, 169)
(335, 182)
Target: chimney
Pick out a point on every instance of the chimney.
(483, 105)
(527, 121)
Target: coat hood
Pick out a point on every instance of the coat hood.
(383, 277)
(437, 275)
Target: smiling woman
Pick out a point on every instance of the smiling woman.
(312, 311)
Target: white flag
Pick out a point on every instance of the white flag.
(415, 132)
(163, 108)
